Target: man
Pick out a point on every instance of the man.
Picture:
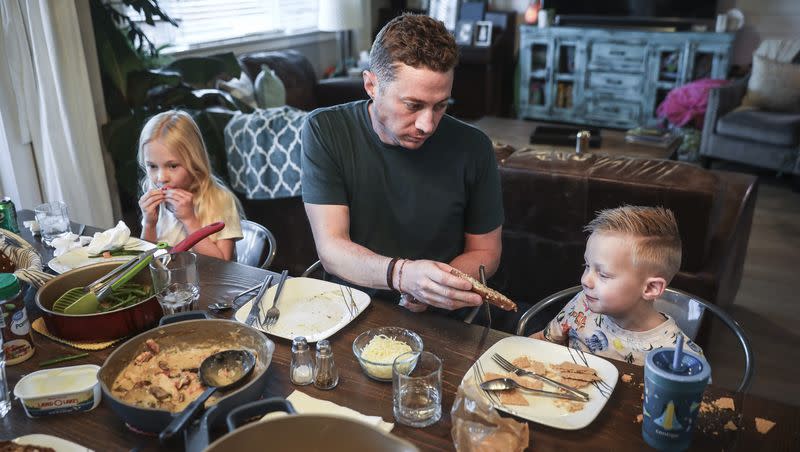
(393, 187)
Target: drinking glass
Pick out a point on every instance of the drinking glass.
(175, 281)
(417, 389)
(53, 219)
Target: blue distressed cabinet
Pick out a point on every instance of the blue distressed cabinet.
(611, 77)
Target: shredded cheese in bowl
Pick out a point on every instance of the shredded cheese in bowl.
(378, 355)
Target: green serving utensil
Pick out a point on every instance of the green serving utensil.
(86, 300)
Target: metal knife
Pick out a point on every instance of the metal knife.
(255, 310)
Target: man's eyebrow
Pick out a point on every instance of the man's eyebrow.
(420, 101)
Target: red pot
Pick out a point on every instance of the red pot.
(102, 326)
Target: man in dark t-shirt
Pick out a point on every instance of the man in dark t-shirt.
(396, 191)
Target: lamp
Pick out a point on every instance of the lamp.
(341, 16)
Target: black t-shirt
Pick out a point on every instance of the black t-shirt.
(408, 203)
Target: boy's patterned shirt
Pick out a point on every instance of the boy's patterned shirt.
(598, 334)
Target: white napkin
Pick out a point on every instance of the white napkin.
(305, 404)
(112, 239)
(33, 225)
(65, 242)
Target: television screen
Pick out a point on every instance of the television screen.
(700, 9)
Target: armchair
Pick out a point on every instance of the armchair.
(767, 139)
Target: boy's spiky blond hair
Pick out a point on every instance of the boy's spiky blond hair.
(657, 243)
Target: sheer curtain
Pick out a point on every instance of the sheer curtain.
(48, 131)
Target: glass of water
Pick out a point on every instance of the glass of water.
(417, 389)
(175, 281)
(53, 219)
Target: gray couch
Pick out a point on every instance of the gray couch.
(755, 137)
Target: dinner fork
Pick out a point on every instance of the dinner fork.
(273, 313)
(505, 364)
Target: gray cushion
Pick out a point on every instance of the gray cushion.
(780, 129)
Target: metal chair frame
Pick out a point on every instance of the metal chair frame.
(312, 268)
(729, 321)
(271, 242)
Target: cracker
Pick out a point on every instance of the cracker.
(492, 296)
(569, 405)
(572, 367)
(580, 376)
(724, 403)
(627, 378)
(730, 426)
(512, 398)
(575, 383)
(763, 426)
(639, 418)
(528, 382)
(521, 361)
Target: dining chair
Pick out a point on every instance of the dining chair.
(685, 308)
(251, 247)
(314, 268)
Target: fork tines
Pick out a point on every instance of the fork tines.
(604, 388)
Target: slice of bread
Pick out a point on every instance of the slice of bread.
(492, 296)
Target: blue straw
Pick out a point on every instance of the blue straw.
(678, 355)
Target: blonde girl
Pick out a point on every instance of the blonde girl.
(180, 194)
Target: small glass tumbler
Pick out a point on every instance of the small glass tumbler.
(417, 389)
(175, 281)
(53, 219)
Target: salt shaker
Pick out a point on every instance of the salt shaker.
(301, 370)
(326, 375)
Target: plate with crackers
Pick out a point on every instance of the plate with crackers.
(583, 371)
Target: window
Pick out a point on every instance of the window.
(205, 22)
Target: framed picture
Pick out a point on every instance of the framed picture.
(464, 32)
(446, 11)
(483, 33)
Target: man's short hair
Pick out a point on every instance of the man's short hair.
(657, 243)
(415, 40)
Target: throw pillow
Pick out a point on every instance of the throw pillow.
(240, 88)
(270, 92)
(773, 86)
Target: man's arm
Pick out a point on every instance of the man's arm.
(480, 249)
(429, 282)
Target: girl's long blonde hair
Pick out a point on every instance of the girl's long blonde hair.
(177, 131)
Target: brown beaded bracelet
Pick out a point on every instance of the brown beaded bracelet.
(390, 272)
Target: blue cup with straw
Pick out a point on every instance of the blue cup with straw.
(674, 382)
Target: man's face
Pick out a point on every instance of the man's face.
(406, 111)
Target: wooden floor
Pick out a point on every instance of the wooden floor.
(767, 302)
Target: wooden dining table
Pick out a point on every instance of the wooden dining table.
(456, 343)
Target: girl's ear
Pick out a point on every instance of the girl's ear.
(654, 287)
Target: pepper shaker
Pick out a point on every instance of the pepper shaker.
(326, 375)
(301, 370)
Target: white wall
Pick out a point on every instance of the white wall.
(764, 19)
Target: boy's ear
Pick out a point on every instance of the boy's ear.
(654, 287)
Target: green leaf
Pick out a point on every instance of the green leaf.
(203, 72)
(141, 82)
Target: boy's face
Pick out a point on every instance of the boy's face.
(611, 283)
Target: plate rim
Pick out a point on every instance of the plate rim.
(62, 269)
(558, 425)
(38, 438)
(316, 337)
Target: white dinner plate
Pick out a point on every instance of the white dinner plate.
(79, 257)
(544, 410)
(309, 307)
(54, 442)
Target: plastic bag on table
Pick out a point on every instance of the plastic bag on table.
(477, 426)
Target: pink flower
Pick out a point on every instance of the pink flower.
(688, 103)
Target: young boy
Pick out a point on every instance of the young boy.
(631, 256)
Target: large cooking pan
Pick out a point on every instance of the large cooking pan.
(102, 326)
(225, 333)
(307, 432)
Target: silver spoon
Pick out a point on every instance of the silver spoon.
(221, 370)
(225, 305)
(505, 384)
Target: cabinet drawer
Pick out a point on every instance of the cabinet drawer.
(613, 111)
(618, 56)
(615, 81)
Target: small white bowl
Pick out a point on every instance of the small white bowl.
(383, 371)
(60, 390)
